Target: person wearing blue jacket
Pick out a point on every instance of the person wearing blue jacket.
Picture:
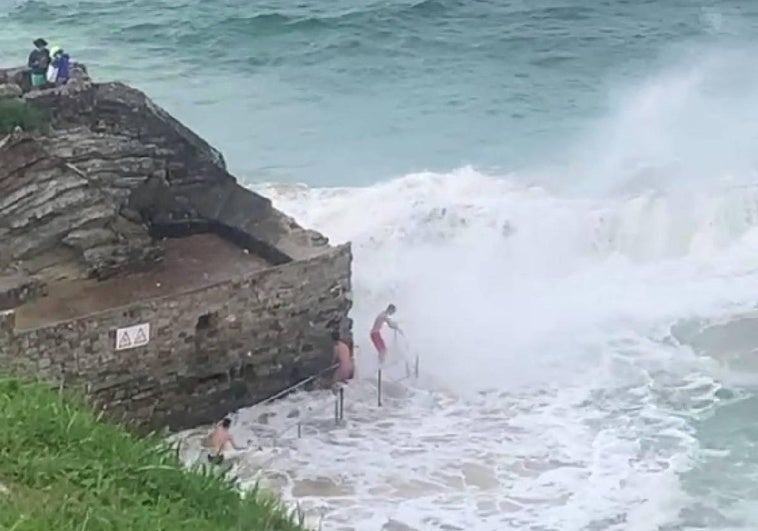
(62, 63)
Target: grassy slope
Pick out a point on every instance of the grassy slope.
(16, 112)
(66, 470)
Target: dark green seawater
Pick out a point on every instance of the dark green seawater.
(347, 92)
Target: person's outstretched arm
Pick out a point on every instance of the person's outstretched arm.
(392, 324)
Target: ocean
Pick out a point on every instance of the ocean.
(561, 198)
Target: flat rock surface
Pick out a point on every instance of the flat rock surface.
(189, 263)
(14, 281)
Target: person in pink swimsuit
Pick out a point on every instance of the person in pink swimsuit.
(376, 331)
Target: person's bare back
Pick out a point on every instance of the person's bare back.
(218, 440)
(345, 369)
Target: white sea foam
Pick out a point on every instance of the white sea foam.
(552, 396)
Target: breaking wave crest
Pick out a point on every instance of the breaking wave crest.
(543, 323)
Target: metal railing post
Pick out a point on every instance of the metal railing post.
(416, 367)
(379, 387)
(336, 409)
(342, 403)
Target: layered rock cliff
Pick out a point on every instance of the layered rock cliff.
(94, 194)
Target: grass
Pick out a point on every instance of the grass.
(17, 112)
(65, 469)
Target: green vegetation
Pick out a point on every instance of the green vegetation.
(17, 112)
(61, 468)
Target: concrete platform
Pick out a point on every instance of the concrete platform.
(190, 263)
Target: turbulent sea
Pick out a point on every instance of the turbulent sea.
(560, 196)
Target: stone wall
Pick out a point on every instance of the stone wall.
(211, 351)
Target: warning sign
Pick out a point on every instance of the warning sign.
(124, 341)
(133, 336)
(140, 338)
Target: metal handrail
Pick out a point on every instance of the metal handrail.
(338, 406)
(406, 377)
(275, 436)
(339, 415)
(296, 386)
(339, 399)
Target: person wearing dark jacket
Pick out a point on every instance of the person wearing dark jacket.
(39, 60)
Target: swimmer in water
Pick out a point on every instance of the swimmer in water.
(344, 371)
(376, 330)
(217, 440)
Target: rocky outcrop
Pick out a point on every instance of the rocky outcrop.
(49, 210)
(17, 76)
(113, 175)
(17, 289)
(10, 90)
